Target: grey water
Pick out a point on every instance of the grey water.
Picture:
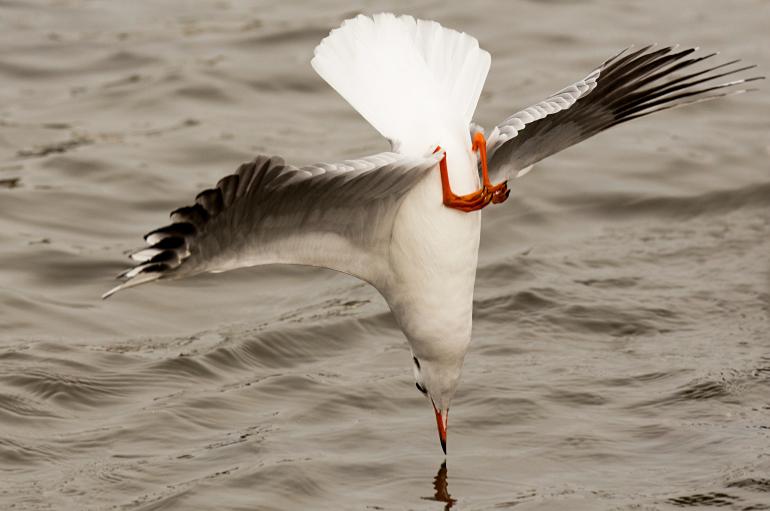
(620, 359)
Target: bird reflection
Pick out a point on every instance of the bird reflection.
(440, 485)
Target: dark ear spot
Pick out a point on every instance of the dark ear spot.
(416, 362)
(421, 388)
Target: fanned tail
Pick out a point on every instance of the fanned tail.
(410, 79)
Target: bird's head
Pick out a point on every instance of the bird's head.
(437, 380)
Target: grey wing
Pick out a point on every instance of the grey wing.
(338, 216)
(625, 87)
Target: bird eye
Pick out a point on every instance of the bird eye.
(421, 388)
(416, 362)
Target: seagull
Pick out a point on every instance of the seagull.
(408, 220)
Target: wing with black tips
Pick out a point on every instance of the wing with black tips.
(338, 216)
(630, 85)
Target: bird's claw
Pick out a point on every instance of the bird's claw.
(488, 193)
(478, 199)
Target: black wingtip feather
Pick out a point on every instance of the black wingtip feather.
(195, 214)
(156, 268)
(165, 256)
(175, 229)
(171, 242)
(211, 201)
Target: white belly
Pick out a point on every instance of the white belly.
(433, 256)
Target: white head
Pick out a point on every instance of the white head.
(437, 380)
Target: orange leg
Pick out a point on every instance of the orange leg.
(480, 198)
(499, 191)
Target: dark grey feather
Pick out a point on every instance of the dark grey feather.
(333, 215)
(627, 86)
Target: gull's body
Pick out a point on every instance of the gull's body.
(393, 219)
(420, 90)
(433, 259)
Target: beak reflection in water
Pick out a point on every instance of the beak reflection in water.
(440, 487)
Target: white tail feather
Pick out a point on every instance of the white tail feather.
(413, 80)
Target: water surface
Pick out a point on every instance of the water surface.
(620, 359)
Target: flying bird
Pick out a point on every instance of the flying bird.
(408, 220)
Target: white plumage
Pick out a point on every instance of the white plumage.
(411, 79)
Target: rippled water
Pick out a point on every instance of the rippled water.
(620, 360)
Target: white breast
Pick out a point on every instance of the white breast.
(433, 257)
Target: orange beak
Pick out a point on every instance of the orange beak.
(441, 422)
